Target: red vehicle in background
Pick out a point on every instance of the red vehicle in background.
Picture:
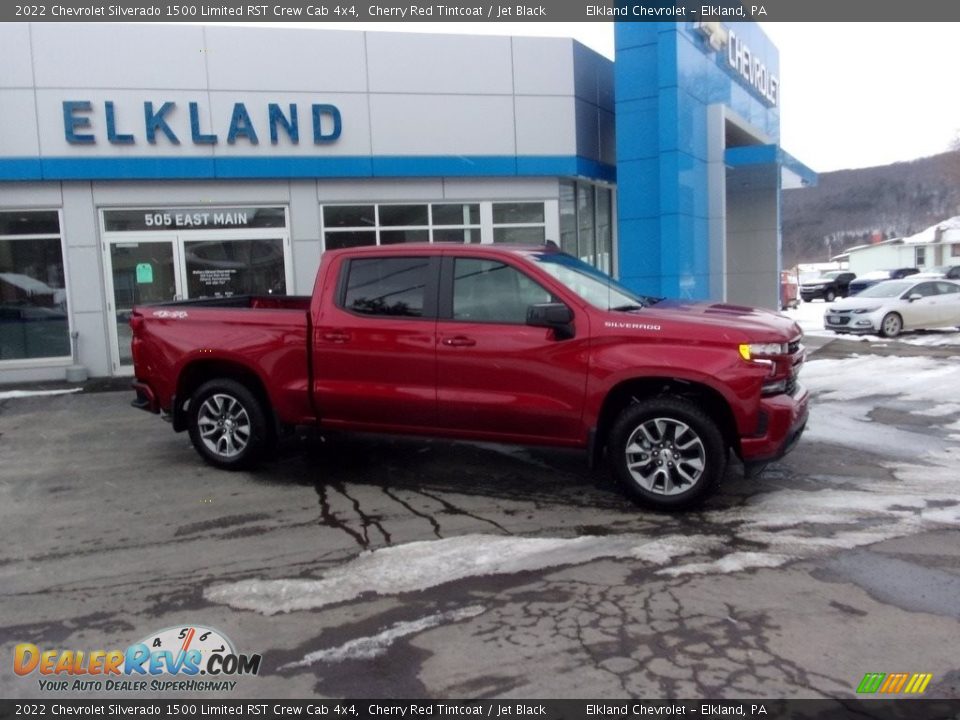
(789, 290)
(498, 343)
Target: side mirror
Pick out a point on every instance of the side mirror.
(556, 316)
(915, 296)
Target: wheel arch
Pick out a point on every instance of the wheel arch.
(198, 372)
(632, 390)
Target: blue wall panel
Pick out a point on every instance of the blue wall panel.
(669, 71)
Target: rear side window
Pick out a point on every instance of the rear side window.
(391, 287)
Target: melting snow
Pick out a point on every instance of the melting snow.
(373, 646)
(420, 565)
(10, 394)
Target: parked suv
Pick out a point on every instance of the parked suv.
(828, 286)
(876, 276)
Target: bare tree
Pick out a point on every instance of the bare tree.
(954, 144)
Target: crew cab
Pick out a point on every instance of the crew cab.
(513, 344)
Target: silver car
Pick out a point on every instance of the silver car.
(890, 307)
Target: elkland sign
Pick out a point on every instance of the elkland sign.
(85, 123)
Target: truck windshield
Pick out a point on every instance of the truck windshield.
(598, 289)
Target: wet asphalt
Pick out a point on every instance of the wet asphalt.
(833, 563)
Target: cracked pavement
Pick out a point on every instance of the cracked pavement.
(837, 561)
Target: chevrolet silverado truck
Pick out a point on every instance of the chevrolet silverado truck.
(509, 344)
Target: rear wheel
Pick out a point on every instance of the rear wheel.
(891, 326)
(666, 452)
(227, 424)
(830, 296)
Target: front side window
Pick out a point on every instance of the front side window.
(386, 286)
(33, 295)
(490, 291)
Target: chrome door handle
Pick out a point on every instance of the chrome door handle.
(336, 336)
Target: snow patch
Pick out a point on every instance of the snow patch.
(10, 394)
(420, 565)
(366, 648)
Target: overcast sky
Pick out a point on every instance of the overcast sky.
(853, 94)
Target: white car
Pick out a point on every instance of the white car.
(892, 306)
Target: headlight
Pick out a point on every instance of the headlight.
(863, 311)
(755, 350)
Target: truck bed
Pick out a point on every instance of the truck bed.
(266, 334)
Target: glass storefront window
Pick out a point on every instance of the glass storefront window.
(523, 235)
(514, 213)
(33, 296)
(390, 224)
(221, 268)
(586, 223)
(568, 217)
(349, 216)
(467, 214)
(403, 215)
(394, 237)
(519, 222)
(350, 239)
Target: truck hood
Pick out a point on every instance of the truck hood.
(755, 324)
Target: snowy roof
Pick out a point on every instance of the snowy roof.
(939, 230)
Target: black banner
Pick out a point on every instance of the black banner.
(481, 11)
(914, 709)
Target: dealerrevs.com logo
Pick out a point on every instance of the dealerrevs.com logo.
(175, 659)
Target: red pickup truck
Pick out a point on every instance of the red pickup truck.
(498, 343)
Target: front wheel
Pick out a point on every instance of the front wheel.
(666, 452)
(891, 326)
(227, 423)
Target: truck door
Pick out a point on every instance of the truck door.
(374, 359)
(497, 376)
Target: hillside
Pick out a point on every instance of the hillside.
(847, 207)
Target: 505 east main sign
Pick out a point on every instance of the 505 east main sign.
(84, 124)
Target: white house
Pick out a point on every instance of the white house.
(937, 245)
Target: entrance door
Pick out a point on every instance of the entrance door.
(141, 269)
(221, 266)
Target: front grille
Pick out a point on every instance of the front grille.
(840, 320)
(791, 386)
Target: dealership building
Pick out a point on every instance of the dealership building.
(143, 163)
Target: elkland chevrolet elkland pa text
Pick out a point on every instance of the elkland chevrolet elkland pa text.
(496, 343)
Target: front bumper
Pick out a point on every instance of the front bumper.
(855, 323)
(786, 419)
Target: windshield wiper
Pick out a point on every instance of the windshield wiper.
(627, 308)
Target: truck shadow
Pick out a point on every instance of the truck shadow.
(529, 476)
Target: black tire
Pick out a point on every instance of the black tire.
(228, 425)
(689, 443)
(891, 325)
(830, 296)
